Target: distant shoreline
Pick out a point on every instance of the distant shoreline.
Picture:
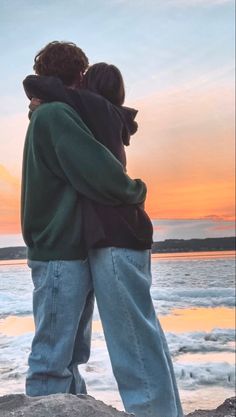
(169, 246)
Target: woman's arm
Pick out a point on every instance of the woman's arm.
(46, 88)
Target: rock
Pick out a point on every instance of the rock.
(57, 405)
(210, 337)
(227, 409)
(67, 405)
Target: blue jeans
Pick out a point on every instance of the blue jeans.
(63, 305)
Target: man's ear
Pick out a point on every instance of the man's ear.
(78, 81)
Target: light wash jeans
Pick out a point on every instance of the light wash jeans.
(63, 305)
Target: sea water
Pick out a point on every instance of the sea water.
(193, 295)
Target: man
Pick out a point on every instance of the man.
(121, 277)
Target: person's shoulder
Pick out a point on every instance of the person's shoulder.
(89, 95)
(50, 109)
(101, 109)
(91, 98)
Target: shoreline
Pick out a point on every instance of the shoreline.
(160, 256)
(167, 247)
(15, 257)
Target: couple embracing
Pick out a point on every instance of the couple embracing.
(88, 235)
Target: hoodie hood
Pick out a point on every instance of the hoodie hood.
(128, 115)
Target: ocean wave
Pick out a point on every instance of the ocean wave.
(218, 340)
(173, 294)
(15, 293)
(191, 376)
(15, 308)
(165, 299)
(98, 373)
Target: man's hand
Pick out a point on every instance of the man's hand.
(34, 103)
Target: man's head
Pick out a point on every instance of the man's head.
(64, 60)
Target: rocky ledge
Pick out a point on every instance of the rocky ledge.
(58, 405)
(67, 405)
(227, 409)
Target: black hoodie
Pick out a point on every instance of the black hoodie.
(104, 226)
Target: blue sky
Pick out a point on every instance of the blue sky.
(155, 43)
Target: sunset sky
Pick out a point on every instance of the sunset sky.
(177, 58)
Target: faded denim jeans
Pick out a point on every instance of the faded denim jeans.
(63, 306)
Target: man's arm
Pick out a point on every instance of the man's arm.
(86, 164)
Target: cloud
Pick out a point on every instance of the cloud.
(184, 150)
(7, 179)
(217, 219)
(13, 129)
(195, 3)
(177, 3)
(191, 228)
(9, 202)
(224, 228)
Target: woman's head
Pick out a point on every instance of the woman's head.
(106, 80)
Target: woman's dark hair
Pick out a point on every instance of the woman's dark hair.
(106, 80)
(64, 60)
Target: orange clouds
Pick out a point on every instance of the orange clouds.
(13, 129)
(193, 200)
(184, 150)
(9, 202)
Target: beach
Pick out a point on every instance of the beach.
(193, 295)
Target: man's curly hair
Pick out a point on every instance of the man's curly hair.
(64, 60)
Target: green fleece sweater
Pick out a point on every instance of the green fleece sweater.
(62, 160)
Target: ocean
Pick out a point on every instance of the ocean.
(193, 295)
